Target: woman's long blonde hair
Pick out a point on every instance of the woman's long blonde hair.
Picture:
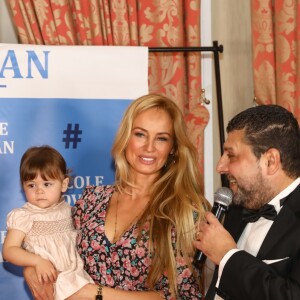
(176, 196)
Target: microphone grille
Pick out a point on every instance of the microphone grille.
(223, 195)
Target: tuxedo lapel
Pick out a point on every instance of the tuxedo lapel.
(234, 223)
(287, 218)
(281, 226)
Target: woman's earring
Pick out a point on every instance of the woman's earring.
(170, 159)
(166, 163)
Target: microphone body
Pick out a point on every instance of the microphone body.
(222, 199)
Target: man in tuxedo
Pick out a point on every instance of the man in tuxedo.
(257, 251)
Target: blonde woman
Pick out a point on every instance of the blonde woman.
(136, 236)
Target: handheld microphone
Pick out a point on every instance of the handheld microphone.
(222, 199)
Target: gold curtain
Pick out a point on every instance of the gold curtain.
(276, 53)
(156, 23)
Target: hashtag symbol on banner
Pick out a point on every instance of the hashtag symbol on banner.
(72, 136)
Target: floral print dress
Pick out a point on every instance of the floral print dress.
(125, 263)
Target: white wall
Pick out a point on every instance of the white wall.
(231, 27)
(207, 74)
(229, 23)
(7, 31)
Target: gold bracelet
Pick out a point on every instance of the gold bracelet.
(99, 295)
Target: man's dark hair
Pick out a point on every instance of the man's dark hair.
(271, 126)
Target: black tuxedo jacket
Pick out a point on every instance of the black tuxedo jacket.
(246, 277)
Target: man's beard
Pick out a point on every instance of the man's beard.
(254, 193)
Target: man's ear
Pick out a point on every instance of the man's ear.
(273, 160)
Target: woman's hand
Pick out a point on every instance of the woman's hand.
(39, 291)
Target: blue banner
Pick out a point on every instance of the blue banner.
(82, 129)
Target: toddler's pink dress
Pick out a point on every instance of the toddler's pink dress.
(50, 233)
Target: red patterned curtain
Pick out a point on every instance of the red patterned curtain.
(276, 53)
(156, 23)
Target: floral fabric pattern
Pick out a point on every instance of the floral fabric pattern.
(125, 263)
(275, 34)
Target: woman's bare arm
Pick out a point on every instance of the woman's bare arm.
(89, 291)
(39, 291)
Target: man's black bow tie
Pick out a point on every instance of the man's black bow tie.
(267, 211)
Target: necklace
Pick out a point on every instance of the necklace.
(116, 218)
(115, 238)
